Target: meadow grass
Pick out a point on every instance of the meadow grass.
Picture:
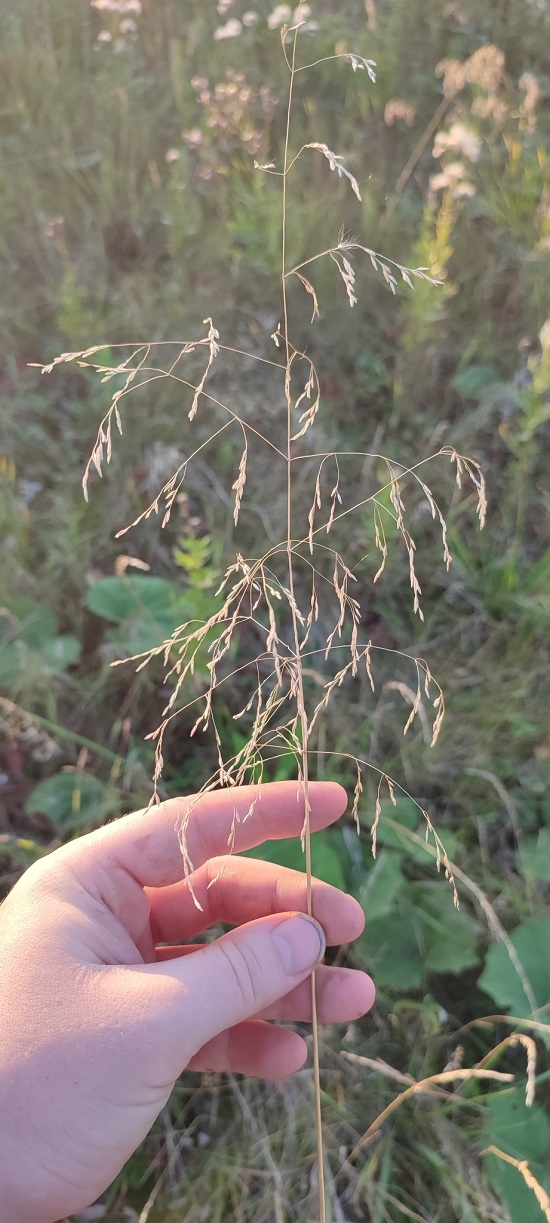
(442, 369)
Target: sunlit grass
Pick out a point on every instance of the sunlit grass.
(105, 232)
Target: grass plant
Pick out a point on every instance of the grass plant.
(300, 652)
(263, 592)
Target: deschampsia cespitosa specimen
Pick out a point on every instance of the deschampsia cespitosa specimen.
(303, 582)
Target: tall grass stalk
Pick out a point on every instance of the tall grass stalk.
(301, 589)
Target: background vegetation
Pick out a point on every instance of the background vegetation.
(130, 210)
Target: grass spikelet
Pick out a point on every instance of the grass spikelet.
(238, 486)
(356, 798)
(530, 1179)
(213, 350)
(335, 163)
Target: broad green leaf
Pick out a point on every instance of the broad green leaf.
(146, 610)
(118, 598)
(380, 884)
(450, 935)
(500, 979)
(325, 860)
(29, 642)
(27, 620)
(406, 814)
(392, 953)
(523, 1133)
(60, 652)
(73, 799)
(535, 856)
(424, 933)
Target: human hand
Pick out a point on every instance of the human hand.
(97, 1020)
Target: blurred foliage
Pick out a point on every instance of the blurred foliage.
(130, 208)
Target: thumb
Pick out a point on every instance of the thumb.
(240, 974)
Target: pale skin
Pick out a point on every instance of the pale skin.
(98, 1020)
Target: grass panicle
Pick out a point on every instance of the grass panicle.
(299, 598)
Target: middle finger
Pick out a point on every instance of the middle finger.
(236, 890)
(342, 994)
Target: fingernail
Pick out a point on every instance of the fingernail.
(301, 942)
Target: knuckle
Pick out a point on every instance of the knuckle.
(246, 973)
(36, 878)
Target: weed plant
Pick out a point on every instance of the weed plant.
(295, 619)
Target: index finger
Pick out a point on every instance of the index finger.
(148, 843)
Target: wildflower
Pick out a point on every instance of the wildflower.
(117, 6)
(464, 190)
(458, 139)
(454, 179)
(485, 68)
(450, 175)
(171, 155)
(453, 74)
(279, 16)
(193, 138)
(491, 107)
(397, 109)
(231, 29)
(528, 109)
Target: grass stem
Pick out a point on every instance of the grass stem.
(298, 663)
